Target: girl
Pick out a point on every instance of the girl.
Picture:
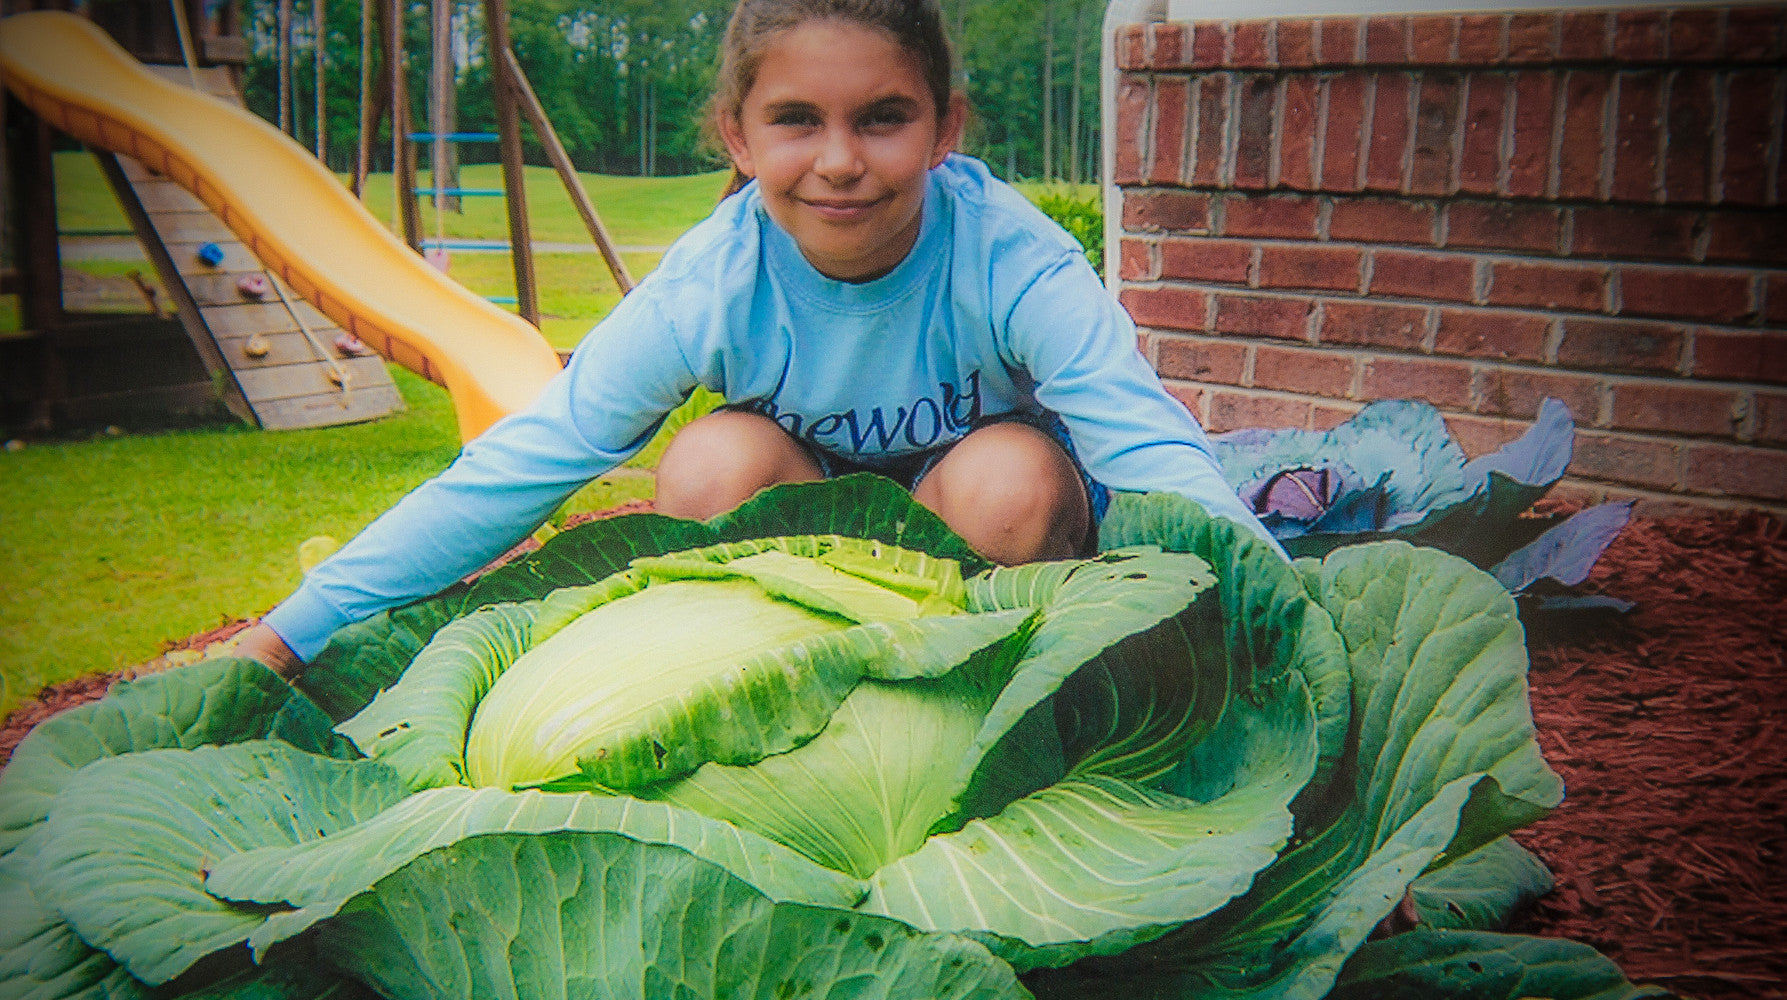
(866, 299)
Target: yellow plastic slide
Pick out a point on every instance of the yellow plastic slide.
(294, 214)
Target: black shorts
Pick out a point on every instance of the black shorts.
(908, 469)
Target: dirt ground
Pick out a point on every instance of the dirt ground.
(1671, 848)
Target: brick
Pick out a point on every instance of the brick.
(1194, 398)
(1326, 417)
(1372, 324)
(1674, 408)
(1341, 149)
(1480, 38)
(1438, 112)
(1753, 237)
(1480, 157)
(1693, 34)
(1132, 47)
(1314, 373)
(1431, 38)
(1172, 211)
(1135, 261)
(1289, 217)
(1687, 173)
(1531, 38)
(1317, 266)
(1296, 132)
(1167, 307)
(1212, 129)
(1169, 45)
(1748, 472)
(1388, 151)
(1296, 43)
(1753, 33)
(1581, 287)
(1340, 41)
(1685, 292)
(1771, 418)
(1205, 259)
(1620, 345)
(1741, 356)
(1636, 135)
(1445, 384)
(1582, 35)
(1258, 316)
(1748, 119)
(1634, 461)
(1132, 120)
(1233, 409)
(1382, 220)
(1172, 110)
(1201, 360)
(1529, 159)
(1502, 225)
(1483, 435)
(1517, 392)
(1776, 293)
(1638, 35)
(1579, 155)
(1252, 47)
(1210, 46)
(1502, 336)
(1253, 143)
(1413, 274)
(1658, 233)
(1386, 40)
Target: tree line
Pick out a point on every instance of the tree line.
(626, 82)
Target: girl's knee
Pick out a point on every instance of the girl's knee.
(720, 460)
(1012, 492)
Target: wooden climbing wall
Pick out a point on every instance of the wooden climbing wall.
(276, 371)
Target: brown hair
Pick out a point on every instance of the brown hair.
(917, 25)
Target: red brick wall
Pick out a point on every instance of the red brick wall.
(1477, 210)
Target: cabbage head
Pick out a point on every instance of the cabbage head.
(815, 748)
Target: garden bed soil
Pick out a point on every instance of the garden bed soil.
(1670, 850)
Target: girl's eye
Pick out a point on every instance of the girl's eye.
(799, 119)
(886, 118)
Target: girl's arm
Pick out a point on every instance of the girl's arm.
(1079, 345)
(622, 380)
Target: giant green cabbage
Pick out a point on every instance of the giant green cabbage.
(813, 748)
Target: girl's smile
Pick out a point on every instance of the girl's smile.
(839, 129)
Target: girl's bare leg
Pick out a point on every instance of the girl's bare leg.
(1012, 493)
(720, 460)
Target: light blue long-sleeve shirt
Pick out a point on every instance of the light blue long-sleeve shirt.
(994, 311)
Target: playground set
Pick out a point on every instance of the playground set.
(283, 285)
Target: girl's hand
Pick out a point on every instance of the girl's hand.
(260, 642)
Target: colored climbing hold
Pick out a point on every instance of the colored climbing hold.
(253, 286)
(211, 254)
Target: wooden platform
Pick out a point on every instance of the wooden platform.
(295, 382)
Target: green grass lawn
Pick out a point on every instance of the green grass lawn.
(115, 546)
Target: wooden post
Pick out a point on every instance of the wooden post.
(39, 256)
(369, 113)
(567, 172)
(441, 113)
(403, 154)
(508, 127)
(284, 59)
(319, 41)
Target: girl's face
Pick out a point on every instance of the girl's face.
(839, 129)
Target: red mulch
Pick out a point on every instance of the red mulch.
(1671, 848)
